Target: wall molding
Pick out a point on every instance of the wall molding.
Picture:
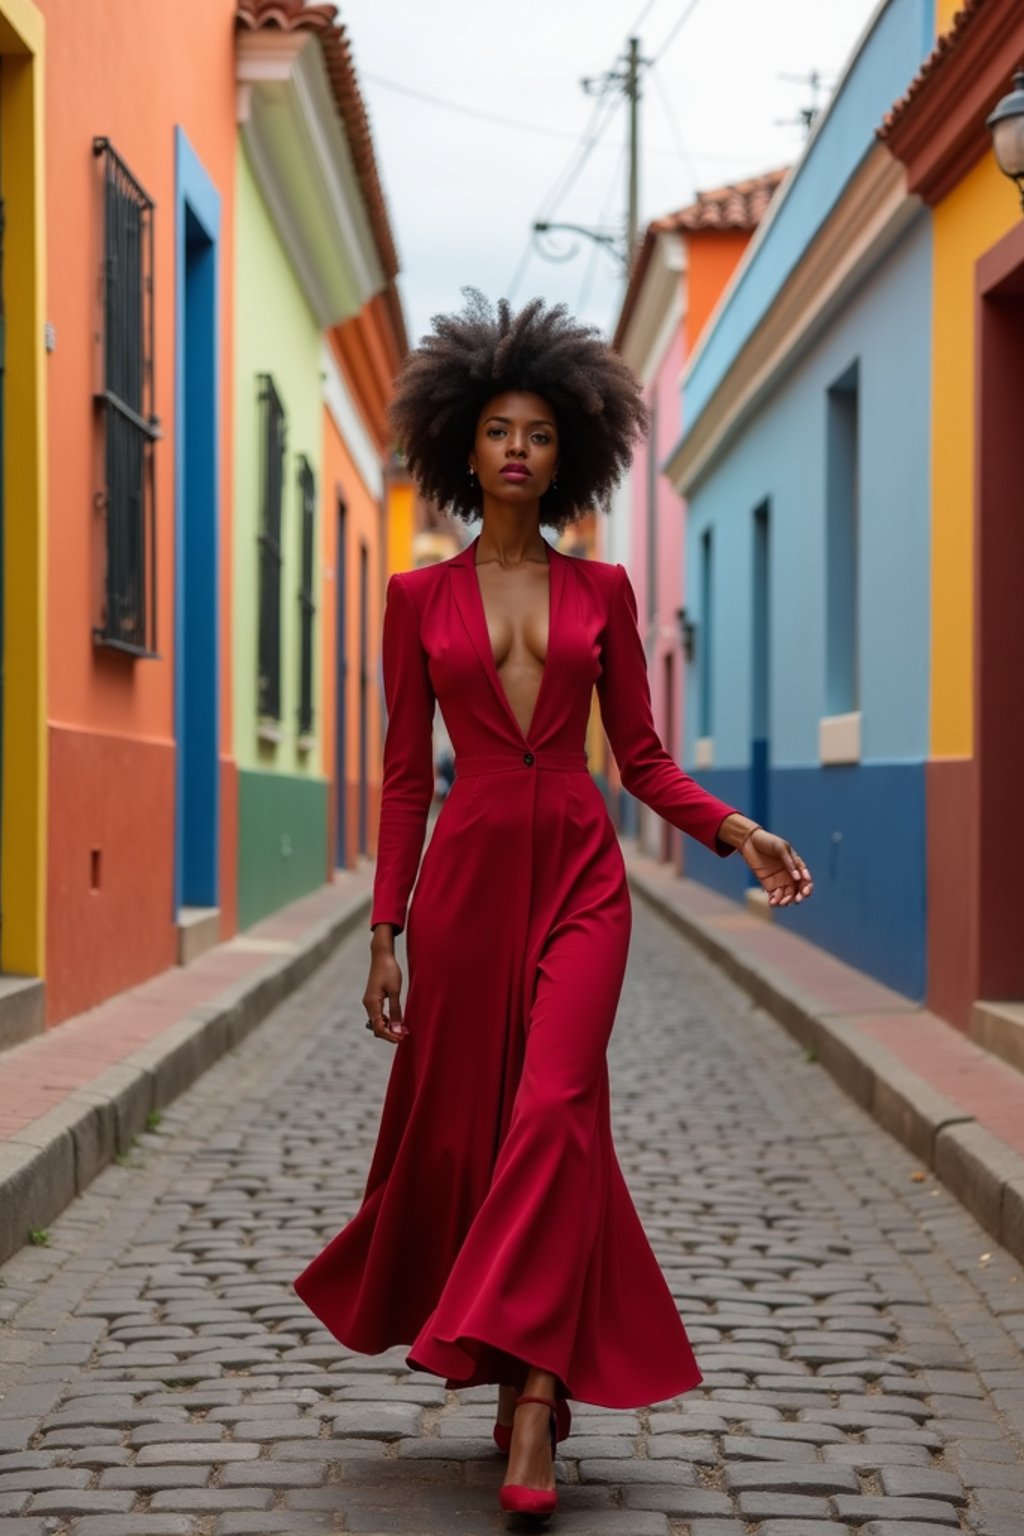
(304, 168)
(870, 218)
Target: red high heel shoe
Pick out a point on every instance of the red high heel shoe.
(503, 1432)
(516, 1498)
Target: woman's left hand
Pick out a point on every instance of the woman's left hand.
(779, 868)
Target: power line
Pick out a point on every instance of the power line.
(463, 109)
(673, 123)
(687, 13)
(593, 132)
(635, 28)
(588, 276)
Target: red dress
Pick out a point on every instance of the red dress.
(496, 1226)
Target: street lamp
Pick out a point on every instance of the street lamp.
(1006, 125)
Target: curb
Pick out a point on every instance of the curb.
(46, 1164)
(984, 1174)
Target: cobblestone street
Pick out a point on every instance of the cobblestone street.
(861, 1336)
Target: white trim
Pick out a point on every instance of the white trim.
(704, 752)
(303, 165)
(338, 170)
(345, 415)
(659, 305)
(839, 738)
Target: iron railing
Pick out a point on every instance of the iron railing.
(127, 407)
(307, 605)
(273, 433)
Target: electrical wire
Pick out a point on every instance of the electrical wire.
(464, 110)
(588, 276)
(593, 132)
(635, 28)
(687, 13)
(673, 123)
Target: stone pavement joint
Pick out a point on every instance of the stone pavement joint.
(954, 1105)
(861, 1358)
(75, 1098)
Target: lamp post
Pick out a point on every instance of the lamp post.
(1006, 125)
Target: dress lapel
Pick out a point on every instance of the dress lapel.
(466, 589)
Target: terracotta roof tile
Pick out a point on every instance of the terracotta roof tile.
(946, 45)
(296, 16)
(740, 205)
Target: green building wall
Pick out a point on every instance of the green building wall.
(282, 793)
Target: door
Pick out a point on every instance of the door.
(760, 668)
(196, 578)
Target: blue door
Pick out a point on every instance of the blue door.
(197, 609)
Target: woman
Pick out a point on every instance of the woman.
(496, 1236)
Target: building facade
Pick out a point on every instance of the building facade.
(805, 461)
(191, 213)
(680, 271)
(976, 706)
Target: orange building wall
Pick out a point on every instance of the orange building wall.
(712, 256)
(131, 72)
(341, 480)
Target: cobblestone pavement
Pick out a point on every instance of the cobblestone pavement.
(861, 1337)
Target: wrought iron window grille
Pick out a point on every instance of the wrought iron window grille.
(307, 605)
(127, 408)
(273, 439)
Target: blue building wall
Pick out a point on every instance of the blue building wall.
(902, 34)
(861, 828)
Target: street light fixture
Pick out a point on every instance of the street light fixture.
(612, 241)
(1006, 125)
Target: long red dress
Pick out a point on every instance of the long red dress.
(496, 1226)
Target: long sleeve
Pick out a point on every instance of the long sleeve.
(408, 771)
(646, 768)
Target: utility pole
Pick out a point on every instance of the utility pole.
(632, 89)
(626, 78)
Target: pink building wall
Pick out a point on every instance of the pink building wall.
(659, 600)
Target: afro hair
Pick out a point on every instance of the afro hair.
(469, 357)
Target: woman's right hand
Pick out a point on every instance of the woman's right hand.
(384, 985)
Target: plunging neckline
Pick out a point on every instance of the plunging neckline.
(495, 674)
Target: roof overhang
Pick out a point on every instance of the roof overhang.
(938, 128)
(872, 215)
(302, 163)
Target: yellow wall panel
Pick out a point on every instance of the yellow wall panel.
(976, 214)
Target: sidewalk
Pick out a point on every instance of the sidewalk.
(958, 1108)
(73, 1098)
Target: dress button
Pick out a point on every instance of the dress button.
(528, 759)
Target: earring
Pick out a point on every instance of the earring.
(554, 481)
(470, 472)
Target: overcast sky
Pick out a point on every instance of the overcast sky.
(463, 190)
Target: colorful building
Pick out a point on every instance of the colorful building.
(976, 703)
(319, 336)
(193, 228)
(805, 460)
(681, 267)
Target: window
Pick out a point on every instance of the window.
(273, 431)
(706, 617)
(127, 407)
(307, 607)
(842, 516)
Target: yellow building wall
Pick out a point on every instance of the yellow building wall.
(400, 504)
(23, 830)
(945, 10)
(976, 214)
